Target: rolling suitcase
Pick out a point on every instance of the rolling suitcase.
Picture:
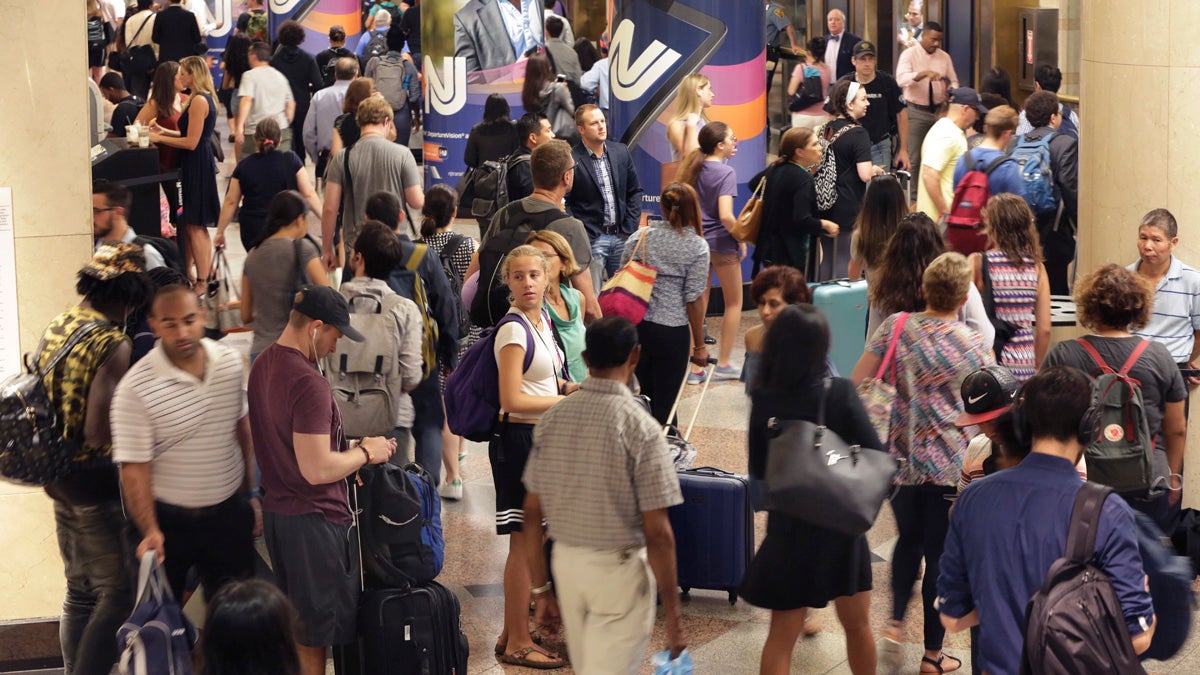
(844, 304)
(413, 630)
(714, 530)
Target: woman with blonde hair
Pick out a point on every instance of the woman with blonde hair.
(563, 303)
(525, 394)
(1019, 288)
(691, 98)
(197, 165)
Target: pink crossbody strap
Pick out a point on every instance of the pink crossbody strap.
(890, 356)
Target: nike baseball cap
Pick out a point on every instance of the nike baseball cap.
(326, 304)
(986, 393)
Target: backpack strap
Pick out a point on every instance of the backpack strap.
(455, 242)
(414, 260)
(1133, 357)
(995, 164)
(1104, 367)
(1085, 519)
(529, 346)
(76, 337)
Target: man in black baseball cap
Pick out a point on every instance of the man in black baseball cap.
(886, 117)
(305, 457)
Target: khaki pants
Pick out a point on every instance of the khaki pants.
(606, 598)
(248, 147)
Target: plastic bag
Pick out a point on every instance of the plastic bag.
(665, 665)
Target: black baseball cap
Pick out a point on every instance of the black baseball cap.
(325, 304)
(864, 47)
(968, 96)
(986, 393)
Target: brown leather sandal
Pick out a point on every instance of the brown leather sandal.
(521, 658)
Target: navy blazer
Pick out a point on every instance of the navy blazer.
(585, 200)
(846, 46)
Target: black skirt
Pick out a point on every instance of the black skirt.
(802, 565)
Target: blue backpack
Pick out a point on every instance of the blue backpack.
(400, 522)
(157, 639)
(473, 390)
(1170, 590)
(1037, 173)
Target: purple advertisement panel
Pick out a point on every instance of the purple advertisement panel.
(655, 45)
(317, 17)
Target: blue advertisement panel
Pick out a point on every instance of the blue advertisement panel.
(655, 44)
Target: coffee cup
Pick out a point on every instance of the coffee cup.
(131, 133)
(144, 141)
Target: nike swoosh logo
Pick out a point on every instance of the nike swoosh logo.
(975, 399)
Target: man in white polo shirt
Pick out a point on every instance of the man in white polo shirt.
(181, 436)
(1175, 321)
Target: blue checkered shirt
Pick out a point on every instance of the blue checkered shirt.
(604, 171)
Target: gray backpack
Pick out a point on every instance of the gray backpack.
(396, 79)
(1122, 449)
(365, 376)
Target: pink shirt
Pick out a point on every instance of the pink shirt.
(915, 60)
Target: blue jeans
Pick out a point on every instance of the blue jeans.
(606, 252)
(96, 546)
(881, 153)
(427, 426)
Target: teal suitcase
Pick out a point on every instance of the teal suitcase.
(844, 304)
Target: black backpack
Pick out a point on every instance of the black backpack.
(400, 520)
(810, 91)
(34, 451)
(446, 257)
(1074, 623)
(376, 46)
(329, 74)
(167, 248)
(489, 184)
(491, 300)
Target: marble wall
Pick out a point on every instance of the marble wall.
(43, 130)
(1141, 137)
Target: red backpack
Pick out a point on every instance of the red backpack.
(966, 212)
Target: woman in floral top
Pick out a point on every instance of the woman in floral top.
(934, 352)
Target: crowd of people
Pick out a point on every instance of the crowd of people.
(190, 453)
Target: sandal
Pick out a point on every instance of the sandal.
(812, 625)
(533, 635)
(938, 664)
(521, 658)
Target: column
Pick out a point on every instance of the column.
(43, 130)
(1140, 121)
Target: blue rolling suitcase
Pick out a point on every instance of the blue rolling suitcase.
(714, 530)
(844, 304)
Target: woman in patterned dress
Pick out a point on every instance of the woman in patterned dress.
(934, 352)
(1020, 289)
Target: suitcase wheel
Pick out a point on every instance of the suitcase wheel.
(732, 598)
(684, 595)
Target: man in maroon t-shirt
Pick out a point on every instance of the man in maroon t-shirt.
(305, 459)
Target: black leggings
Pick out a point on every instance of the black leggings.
(663, 365)
(922, 518)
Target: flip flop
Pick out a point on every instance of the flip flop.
(521, 658)
(533, 635)
(938, 664)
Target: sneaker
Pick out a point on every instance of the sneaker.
(462, 454)
(726, 373)
(452, 490)
(709, 340)
(695, 377)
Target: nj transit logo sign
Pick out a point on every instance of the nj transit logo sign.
(633, 75)
(446, 89)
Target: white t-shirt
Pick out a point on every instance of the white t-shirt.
(542, 377)
(271, 93)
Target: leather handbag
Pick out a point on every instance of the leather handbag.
(34, 451)
(222, 302)
(813, 475)
(745, 229)
(877, 393)
(628, 292)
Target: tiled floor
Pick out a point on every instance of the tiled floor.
(722, 639)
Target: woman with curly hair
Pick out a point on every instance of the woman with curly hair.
(883, 206)
(1019, 288)
(1109, 302)
(896, 283)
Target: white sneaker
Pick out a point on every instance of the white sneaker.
(452, 490)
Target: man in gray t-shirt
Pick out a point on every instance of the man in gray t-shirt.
(376, 165)
(263, 92)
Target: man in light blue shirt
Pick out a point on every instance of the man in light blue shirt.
(596, 80)
(325, 109)
(1175, 320)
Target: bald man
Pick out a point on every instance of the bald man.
(839, 44)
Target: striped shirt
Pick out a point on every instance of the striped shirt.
(183, 426)
(1176, 315)
(599, 460)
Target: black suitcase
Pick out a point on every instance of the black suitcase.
(414, 630)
